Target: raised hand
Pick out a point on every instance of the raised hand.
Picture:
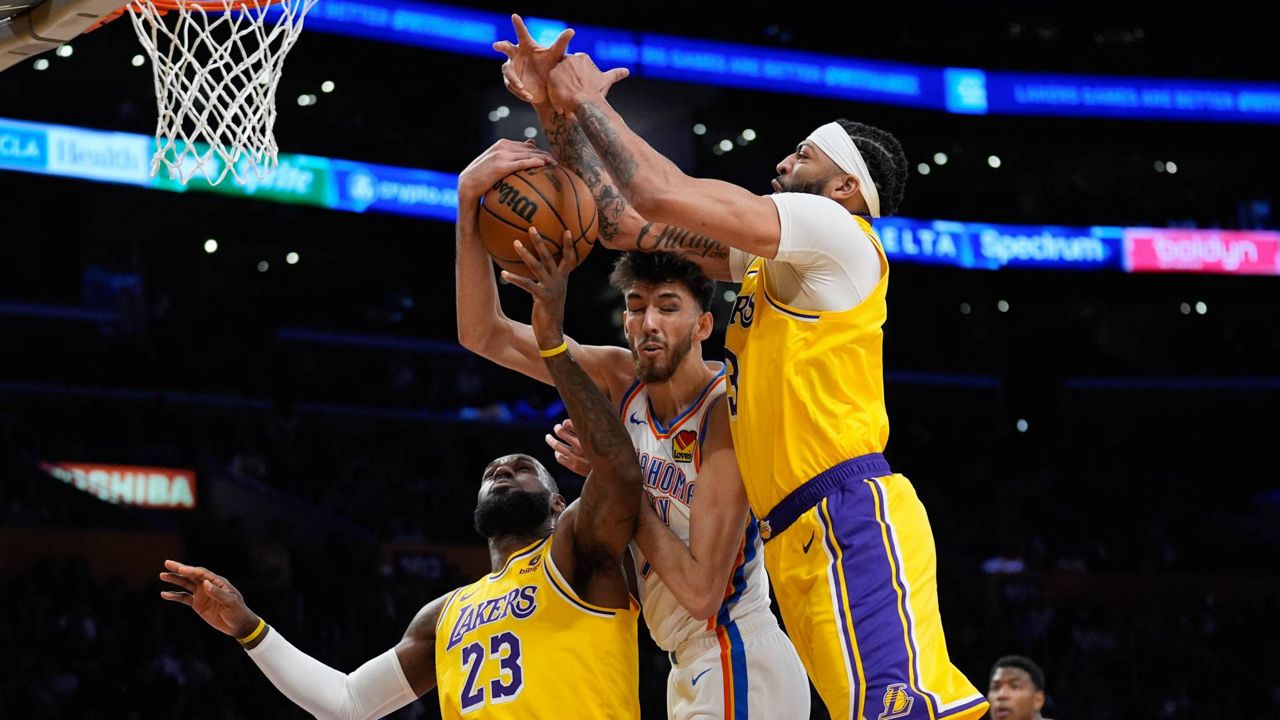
(500, 160)
(212, 597)
(576, 80)
(548, 285)
(528, 63)
(568, 448)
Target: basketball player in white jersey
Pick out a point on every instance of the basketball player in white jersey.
(697, 551)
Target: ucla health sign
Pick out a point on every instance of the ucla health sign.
(23, 146)
(75, 152)
(104, 156)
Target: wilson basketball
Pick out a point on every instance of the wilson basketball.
(552, 199)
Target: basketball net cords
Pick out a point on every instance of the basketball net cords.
(225, 101)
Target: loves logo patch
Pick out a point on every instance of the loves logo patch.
(684, 445)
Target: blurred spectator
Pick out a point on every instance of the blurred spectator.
(1016, 689)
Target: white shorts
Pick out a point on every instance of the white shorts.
(746, 670)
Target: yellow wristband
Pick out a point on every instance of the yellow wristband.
(262, 625)
(555, 350)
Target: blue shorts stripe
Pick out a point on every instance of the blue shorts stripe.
(738, 663)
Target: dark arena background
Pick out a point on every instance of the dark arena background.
(1082, 357)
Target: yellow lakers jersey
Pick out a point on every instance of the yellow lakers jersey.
(520, 643)
(806, 388)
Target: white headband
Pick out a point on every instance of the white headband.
(836, 143)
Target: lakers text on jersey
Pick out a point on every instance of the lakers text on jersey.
(520, 643)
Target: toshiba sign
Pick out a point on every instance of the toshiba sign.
(147, 487)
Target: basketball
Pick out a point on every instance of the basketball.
(552, 199)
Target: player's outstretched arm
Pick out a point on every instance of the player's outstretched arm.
(377, 688)
(656, 188)
(621, 228)
(483, 327)
(593, 532)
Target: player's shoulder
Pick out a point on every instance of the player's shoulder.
(718, 380)
(612, 366)
(815, 227)
(715, 422)
(427, 622)
(811, 206)
(630, 387)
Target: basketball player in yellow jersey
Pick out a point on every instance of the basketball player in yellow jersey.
(551, 634)
(849, 545)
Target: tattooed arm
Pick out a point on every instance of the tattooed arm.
(603, 520)
(592, 532)
(621, 227)
(656, 188)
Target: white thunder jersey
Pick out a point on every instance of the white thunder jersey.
(669, 459)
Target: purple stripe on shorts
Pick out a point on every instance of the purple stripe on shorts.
(877, 613)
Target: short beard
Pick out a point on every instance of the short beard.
(659, 374)
(812, 187)
(515, 513)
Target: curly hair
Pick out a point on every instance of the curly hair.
(885, 160)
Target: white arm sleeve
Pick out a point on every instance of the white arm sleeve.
(825, 261)
(377, 688)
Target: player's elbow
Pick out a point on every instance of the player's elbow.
(651, 200)
(476, 337)
(664, 195)
(652, 194)
(470, 337)
(627, 470)
(705, 606)
(703, 599)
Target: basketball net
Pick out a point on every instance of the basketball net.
(216, 64)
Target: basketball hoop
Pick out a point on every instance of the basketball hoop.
(216, 64)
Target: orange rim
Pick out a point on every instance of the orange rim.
(207, 5)
(166, 6)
